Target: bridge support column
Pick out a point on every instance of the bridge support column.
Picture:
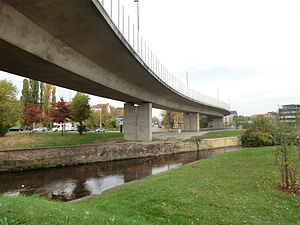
(191, 122)
(216, 123)
(138, 122)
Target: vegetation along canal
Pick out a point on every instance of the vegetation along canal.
(75, 182)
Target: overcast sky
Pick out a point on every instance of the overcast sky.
(247, 50)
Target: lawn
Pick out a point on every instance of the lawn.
(218, 134)
(24, 140)
(234, 188)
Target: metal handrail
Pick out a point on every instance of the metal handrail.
(138, 44)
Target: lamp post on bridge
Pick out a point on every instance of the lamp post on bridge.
(100, 117)
(187, 78)
(218, 100)
(138, 14)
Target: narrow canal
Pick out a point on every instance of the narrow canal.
(75, 182)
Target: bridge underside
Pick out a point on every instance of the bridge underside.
(77, 47)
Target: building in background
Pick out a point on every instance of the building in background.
(178, 120)
(119, 111)
(228, 120)
(289, 113)
(102, 107)
(272, 116)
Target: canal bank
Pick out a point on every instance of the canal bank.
(238, 187)
(26, 159)
(76, 183)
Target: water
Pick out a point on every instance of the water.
(75, 182)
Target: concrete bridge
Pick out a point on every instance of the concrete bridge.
(75, 44)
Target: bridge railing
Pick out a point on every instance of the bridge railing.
(130, 32)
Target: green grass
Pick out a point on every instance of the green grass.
(24, 140)
(234, 188)
(219, 134)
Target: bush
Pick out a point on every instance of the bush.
(81, 128)
(3, 129)
(260, 133)
(252, 138)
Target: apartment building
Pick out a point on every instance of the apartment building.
(289, 113)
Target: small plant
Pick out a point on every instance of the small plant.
(198, 142)
(286, 162)
(287, 169)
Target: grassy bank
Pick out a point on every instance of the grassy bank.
(47, 139)
(222, 134)
(233, 188)
(219, 134)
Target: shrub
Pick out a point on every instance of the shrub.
(260, 133)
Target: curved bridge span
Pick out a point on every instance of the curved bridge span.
(75, 44)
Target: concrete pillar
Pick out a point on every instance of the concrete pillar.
(216, 123)
(191, 122)
(138, 122)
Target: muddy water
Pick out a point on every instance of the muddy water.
(74, 182)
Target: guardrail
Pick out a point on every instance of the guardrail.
(133, 37)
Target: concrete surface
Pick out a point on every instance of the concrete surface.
(24, 159)
(138, 122)
(191, 122)
(175, 135)
(74, 44)
(215, 123)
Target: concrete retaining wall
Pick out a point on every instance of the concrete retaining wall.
(12, 160)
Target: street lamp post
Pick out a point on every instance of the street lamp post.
(187, 78)
(100, 118)
(218, 100)
(138, 14)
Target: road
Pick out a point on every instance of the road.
(163, 134)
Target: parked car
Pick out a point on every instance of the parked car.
(100, 130)
(17, 129)
(40, 129)
(71, 126)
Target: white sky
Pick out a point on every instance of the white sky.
(247, 50)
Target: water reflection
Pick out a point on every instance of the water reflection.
(156, 170)
(96, 186)
(78, 181)
(63, 188)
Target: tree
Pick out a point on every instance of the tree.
(25, 98)
(42, 90)
(9, 106)
(53, 95)
(25, 93)
(46, 103)
(33, 115)
(168, 119)
(155, 119)
(34, 92)
(203, 120)
(109, 122)
(94, 120)
(286, 158)
(81, 110)
(239, 121)
(104, 114)
(60, 113)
